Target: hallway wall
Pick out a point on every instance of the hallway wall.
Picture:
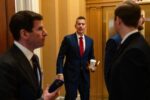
(59, 20)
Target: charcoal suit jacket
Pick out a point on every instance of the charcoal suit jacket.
(130, 70)
(17, 80)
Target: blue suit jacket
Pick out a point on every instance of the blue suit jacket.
(74, 63)
(110, 50)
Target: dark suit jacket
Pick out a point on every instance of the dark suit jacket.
(74, 63)
(17, 81)
(130, 71)
(110, 50)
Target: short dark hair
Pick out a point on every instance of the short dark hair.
(80, 17)
(129, 12)
(23, 20)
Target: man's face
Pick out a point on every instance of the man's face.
(37, 36)
(80, 26)
(141, 22)
(116, 24)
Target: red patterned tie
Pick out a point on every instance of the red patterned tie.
(81, 46)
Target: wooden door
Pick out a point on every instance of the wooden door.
(7, 8)
(99, 21)
(146, 14)
(108, 31)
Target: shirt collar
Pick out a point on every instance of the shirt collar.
(25, 51)
(128, 34)
(78, 36)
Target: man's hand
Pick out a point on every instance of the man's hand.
(50, 96)
(60, 76)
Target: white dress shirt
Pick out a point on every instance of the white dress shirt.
(28, 55)
(83, 38)
(128, 34)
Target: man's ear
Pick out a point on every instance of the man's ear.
(75, 26)
(118, 20)
(24, 34)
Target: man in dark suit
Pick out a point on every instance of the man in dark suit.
(77, 49)
(18, 81)
(110, 50)
(130, 68)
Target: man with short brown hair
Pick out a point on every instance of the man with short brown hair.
(130, 69)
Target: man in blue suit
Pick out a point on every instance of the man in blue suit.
(110, 50)
(77, 49)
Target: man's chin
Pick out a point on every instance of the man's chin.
(40, 46)
(80, 32)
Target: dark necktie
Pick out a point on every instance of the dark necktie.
(81, 46)
(36, 66)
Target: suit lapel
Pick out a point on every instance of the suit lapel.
(129, 41)
(126, 43)
(75, 44)
(25, 65)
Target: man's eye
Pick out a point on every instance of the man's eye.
(81, 24)
(40, 28)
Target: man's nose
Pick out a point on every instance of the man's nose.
(45, 32)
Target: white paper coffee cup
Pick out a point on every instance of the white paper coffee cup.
(92, 64)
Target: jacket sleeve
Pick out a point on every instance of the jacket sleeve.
(61, 56)
(110, 50)
(8, 82)
(92, 51)
(134, 75)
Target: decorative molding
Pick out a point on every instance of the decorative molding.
(101, 3)
(97, 2)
